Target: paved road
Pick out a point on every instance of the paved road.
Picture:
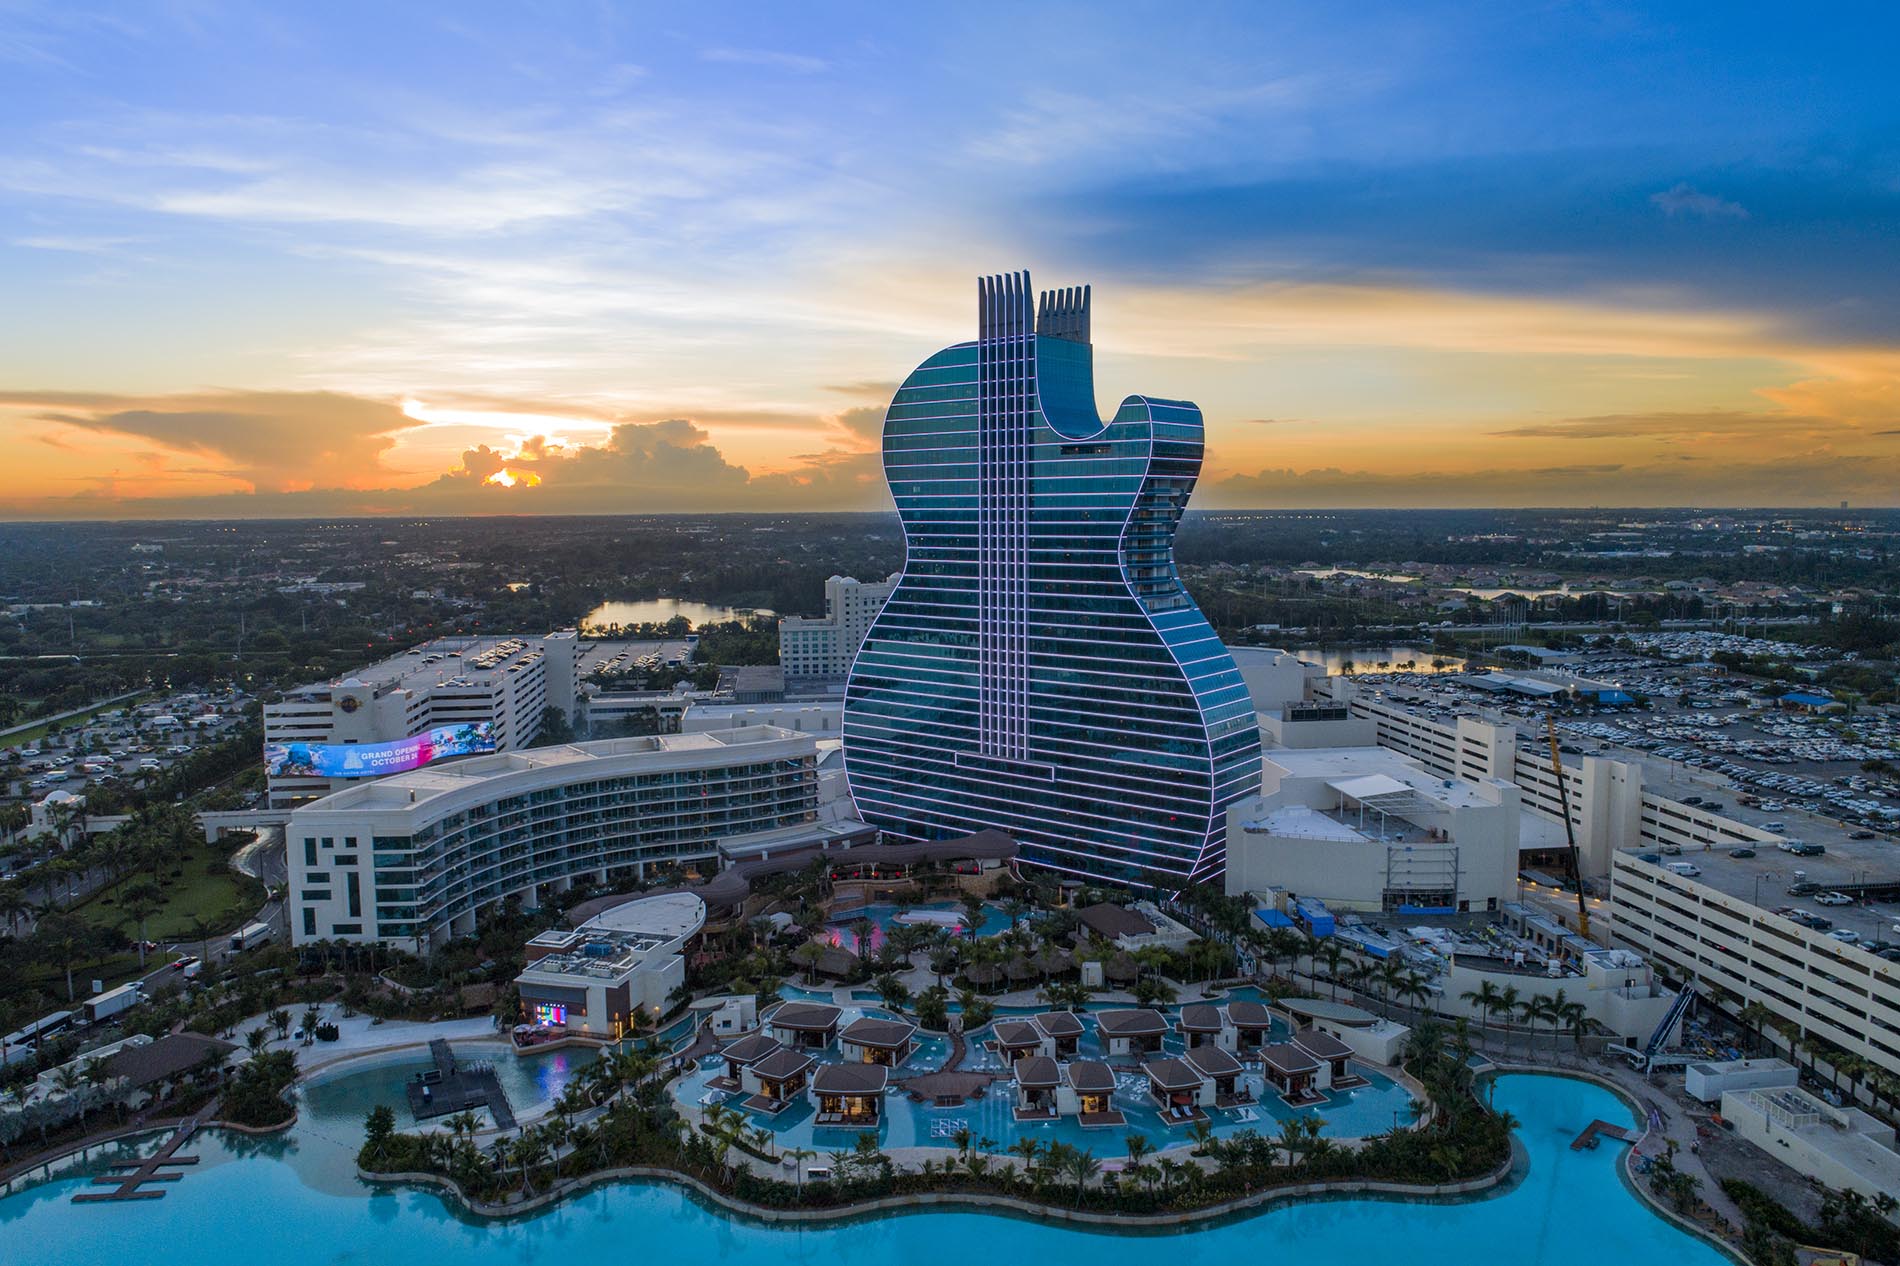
(57, 717)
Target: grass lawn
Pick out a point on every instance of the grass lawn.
(222, 900)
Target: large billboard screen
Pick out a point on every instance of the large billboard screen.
(372, 760)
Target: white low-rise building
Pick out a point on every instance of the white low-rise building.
(1841, 1148)
(1365, 828)
(591, 981)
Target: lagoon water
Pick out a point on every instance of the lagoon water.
(659, 611)
(296, 1200)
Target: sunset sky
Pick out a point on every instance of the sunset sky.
(283, 259)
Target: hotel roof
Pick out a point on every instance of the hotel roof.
(1212, 1061)
(1249, 1015)
(1321, 1045)
(1139, 1022)
(782, 1065)
(1091, 1076)
(1171, 1074)
(751, 1048)
(415, 789)
(1059, 1023)
(1112, 921)
(1038, 1072)
(850, 1079)
(1200, 1017)
(1017, 1033)
(807, 1017)
(1288, 1058)
(1338, 1012)
(871, 1031)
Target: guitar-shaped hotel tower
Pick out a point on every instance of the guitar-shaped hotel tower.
(1040, 669)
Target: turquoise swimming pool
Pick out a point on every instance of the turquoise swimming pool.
(297, 1200)
(883, 917)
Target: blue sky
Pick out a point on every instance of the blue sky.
(357, 258)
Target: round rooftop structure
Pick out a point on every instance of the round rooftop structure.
(671, 916)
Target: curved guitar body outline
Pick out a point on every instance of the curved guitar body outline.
(1039, 668)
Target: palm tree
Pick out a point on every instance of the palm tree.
(1532, 1010)
(257, 1039)
(1029, 1149)
(14, 906)
(799, 1156)
(1081, 1165)
(140, 902)
(1334, 955)
(1507, 1007)
(1485, 999)
(1138, 1149)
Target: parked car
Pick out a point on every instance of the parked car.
(1833, 899)
(1741, 852)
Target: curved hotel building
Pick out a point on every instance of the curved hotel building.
(413, 857)
(1039, 668)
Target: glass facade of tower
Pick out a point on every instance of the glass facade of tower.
(1040, 668)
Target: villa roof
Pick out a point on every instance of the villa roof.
(1017, 1033)
(1249, 1015)
(1171, 1074)
(1137, 1022)
(1321, 1045)
(1199, 1017)
(169, 1056)
(751, 1047)
(850, 1079)
(1038, 1072)
(805, 1016)
(1113, 921)
(1212, 1061)
(782, 1065)
(1091, 1076)
(1059, 1024)
(1288, 1058)
(872, 1031)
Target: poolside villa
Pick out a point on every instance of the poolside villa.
(1334, 1056)
(1220, 1076)
(1063, 1029)
(1203, 1024)
(1018, 1040)
(1177, 1090)
(1133, 1032)
(773, 1082)
(1054, 1035)
(804, 1026)
(1252, 1024)
(849, 1095)
(1038, 1079)
(1293, 1073)
(870, 1040)
(740, 1055)
(1093, 1084)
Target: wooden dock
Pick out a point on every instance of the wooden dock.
(153, 1169)
(1601, 1129)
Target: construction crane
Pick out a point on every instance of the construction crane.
(1570, 830)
